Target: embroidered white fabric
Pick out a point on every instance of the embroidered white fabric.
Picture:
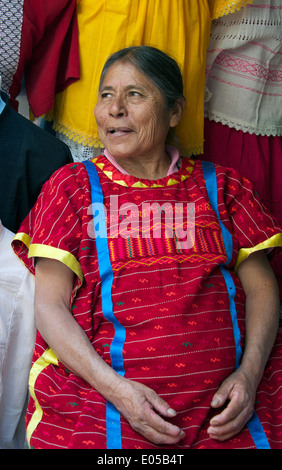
(80, 152)
(244, 69)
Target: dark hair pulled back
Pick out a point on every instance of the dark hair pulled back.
(156, 65)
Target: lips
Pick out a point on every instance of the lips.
(119, 130)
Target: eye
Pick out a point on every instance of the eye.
(135, 93)
(106, 94)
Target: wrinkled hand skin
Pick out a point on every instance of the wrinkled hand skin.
(238, 393)
(142, 408)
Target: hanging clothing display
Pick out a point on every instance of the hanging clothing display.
(40, 43)
(244, 69)
(258, 158)
(243, 112)
(29, 155)
(11, 18)
(180, 28)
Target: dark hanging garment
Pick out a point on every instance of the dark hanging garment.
(28, 157)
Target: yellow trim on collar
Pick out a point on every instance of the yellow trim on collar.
(121, 182)
(117, 177)
(271, 242)
(139, 184)
(171, 181)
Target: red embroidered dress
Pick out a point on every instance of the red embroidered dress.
(171, 323)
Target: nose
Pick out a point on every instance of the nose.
(118, 107)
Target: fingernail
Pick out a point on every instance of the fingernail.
(213, 422)
(215, 402)
(171, 412)
(211, 431)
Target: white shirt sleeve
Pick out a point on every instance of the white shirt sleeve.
(17, 338)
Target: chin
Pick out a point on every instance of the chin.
(119, 153)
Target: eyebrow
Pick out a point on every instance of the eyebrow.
(128, 87)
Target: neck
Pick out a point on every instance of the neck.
(151, 168)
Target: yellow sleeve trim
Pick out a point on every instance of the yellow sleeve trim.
(48, 357)
(23, 237)
(272, 242)
(46, 251)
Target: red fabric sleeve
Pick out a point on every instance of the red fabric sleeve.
(247, 218)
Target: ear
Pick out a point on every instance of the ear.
(177, 111)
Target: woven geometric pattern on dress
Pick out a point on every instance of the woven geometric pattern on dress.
(143, 231)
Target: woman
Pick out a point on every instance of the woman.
(151, 353)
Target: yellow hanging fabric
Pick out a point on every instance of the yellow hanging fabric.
(220, 8)
(180, 28)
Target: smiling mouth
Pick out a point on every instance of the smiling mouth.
(119, 131)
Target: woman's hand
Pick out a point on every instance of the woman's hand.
(142, 408)
(262, 317)
(238, 392)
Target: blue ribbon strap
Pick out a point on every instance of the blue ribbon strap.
(106, 274)
(254, 424)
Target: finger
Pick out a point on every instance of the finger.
(161, 406)
(228, 430)
(230, 421)
(146, 419)
(158, 430)
(221, 396)
(155, 427)
(159, 438)
(223, 434)
(234, 407)
(160, 424)
(240, 402)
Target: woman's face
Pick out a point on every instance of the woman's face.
(132, 118)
